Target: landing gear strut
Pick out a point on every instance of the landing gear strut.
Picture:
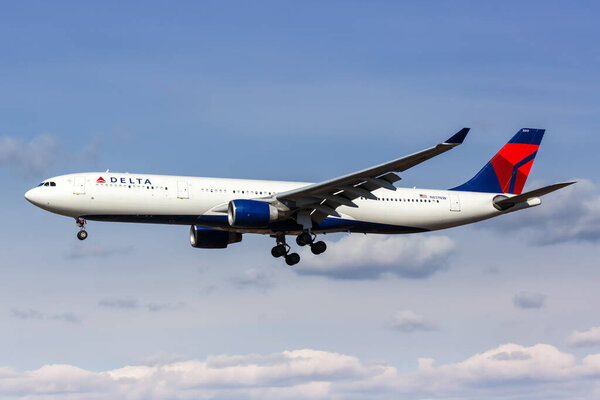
(282, 249)
(306, 238)
(82, 234)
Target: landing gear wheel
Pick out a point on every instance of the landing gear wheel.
(292, 259)
(318, 247)
(278, 251)
(303, 239)
(82, 235)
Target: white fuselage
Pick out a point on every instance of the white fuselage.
(200, 201)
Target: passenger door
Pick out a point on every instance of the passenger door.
(454, 202)
(182, 190)
(79, 185)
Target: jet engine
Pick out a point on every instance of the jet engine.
(207, 238)
(251, 213)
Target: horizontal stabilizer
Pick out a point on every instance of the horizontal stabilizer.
(506, 203)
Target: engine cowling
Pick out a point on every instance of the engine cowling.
(251, 213)
(207, 238)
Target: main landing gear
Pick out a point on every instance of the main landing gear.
(82, 234)
(306, 238)
(282, 249)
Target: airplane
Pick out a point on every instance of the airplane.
(219, 211)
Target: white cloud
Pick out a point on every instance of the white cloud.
(570, 214)
(591, 337)
(375, 256)
(529, 300)
(409, 321)
(499, 373)
(29, 158)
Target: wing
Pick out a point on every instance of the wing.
(321, 199)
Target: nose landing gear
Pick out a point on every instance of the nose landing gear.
(82, 234)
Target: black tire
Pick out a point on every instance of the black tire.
(82, 235)
(292, 259)
(278, 251)
(318, 247)
(303, 239)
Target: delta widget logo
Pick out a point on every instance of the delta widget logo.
(131, 181)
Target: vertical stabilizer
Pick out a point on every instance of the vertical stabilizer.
(508, 170)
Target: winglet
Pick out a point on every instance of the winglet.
(458, 137)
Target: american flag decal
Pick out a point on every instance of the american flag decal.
(423, 196)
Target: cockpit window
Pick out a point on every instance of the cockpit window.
(52, 183)
(47, 184)
(41, 184)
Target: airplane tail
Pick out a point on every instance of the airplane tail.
(507, 171)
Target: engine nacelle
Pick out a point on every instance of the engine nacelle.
(207, 238)
(251, 213)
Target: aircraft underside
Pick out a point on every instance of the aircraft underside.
(290, 227)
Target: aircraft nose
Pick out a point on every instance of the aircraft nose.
(32, 196)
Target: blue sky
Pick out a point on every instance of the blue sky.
(282, 90)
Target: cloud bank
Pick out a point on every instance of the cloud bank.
(591, 337)
(312, 374)
(373, 257)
